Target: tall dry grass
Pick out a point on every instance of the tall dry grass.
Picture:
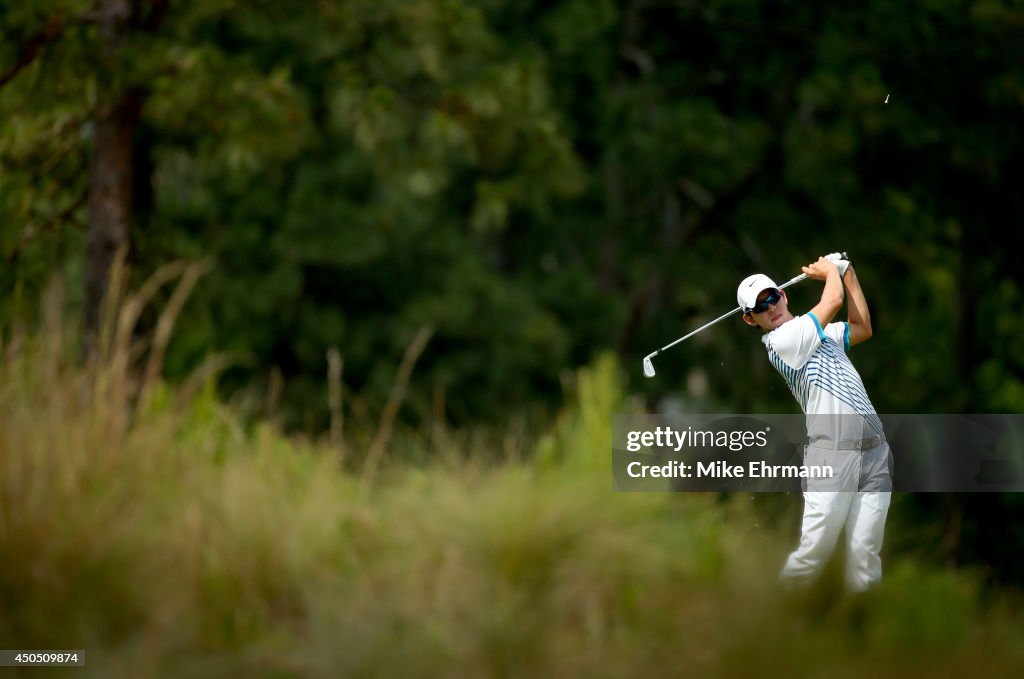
(165, 538)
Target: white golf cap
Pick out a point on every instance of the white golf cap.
(750, 287)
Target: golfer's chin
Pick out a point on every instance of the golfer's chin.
(778, 320)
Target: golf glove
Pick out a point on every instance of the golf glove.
(841, 263)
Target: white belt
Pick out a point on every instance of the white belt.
(855, 444)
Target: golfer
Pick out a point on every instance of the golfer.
(843, 429)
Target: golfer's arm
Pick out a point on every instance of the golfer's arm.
(831, 298)
(857, 307)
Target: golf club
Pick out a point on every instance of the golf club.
(649, 366)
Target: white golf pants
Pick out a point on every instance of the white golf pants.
(859, 508)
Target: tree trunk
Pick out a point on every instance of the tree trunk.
(110, 175)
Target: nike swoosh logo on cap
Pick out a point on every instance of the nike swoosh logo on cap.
(751, 284)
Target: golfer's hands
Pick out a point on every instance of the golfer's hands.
(819, 270)
(841, 263)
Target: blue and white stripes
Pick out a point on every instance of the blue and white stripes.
(795, 379)
(828, 383)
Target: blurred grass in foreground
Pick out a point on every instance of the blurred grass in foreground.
(152, 529)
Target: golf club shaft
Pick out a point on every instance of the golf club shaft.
(795, 279)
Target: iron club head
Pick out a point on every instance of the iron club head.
(648, 367)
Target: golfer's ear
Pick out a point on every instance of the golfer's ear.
(749, 321)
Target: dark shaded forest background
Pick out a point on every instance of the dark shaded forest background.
(534, 184)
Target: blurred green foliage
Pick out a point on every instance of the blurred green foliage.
(173, 540)
(540, 181)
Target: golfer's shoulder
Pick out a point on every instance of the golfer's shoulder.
(792, 330)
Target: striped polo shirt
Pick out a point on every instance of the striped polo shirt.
(829, 389)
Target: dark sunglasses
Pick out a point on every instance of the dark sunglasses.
(773, 298)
